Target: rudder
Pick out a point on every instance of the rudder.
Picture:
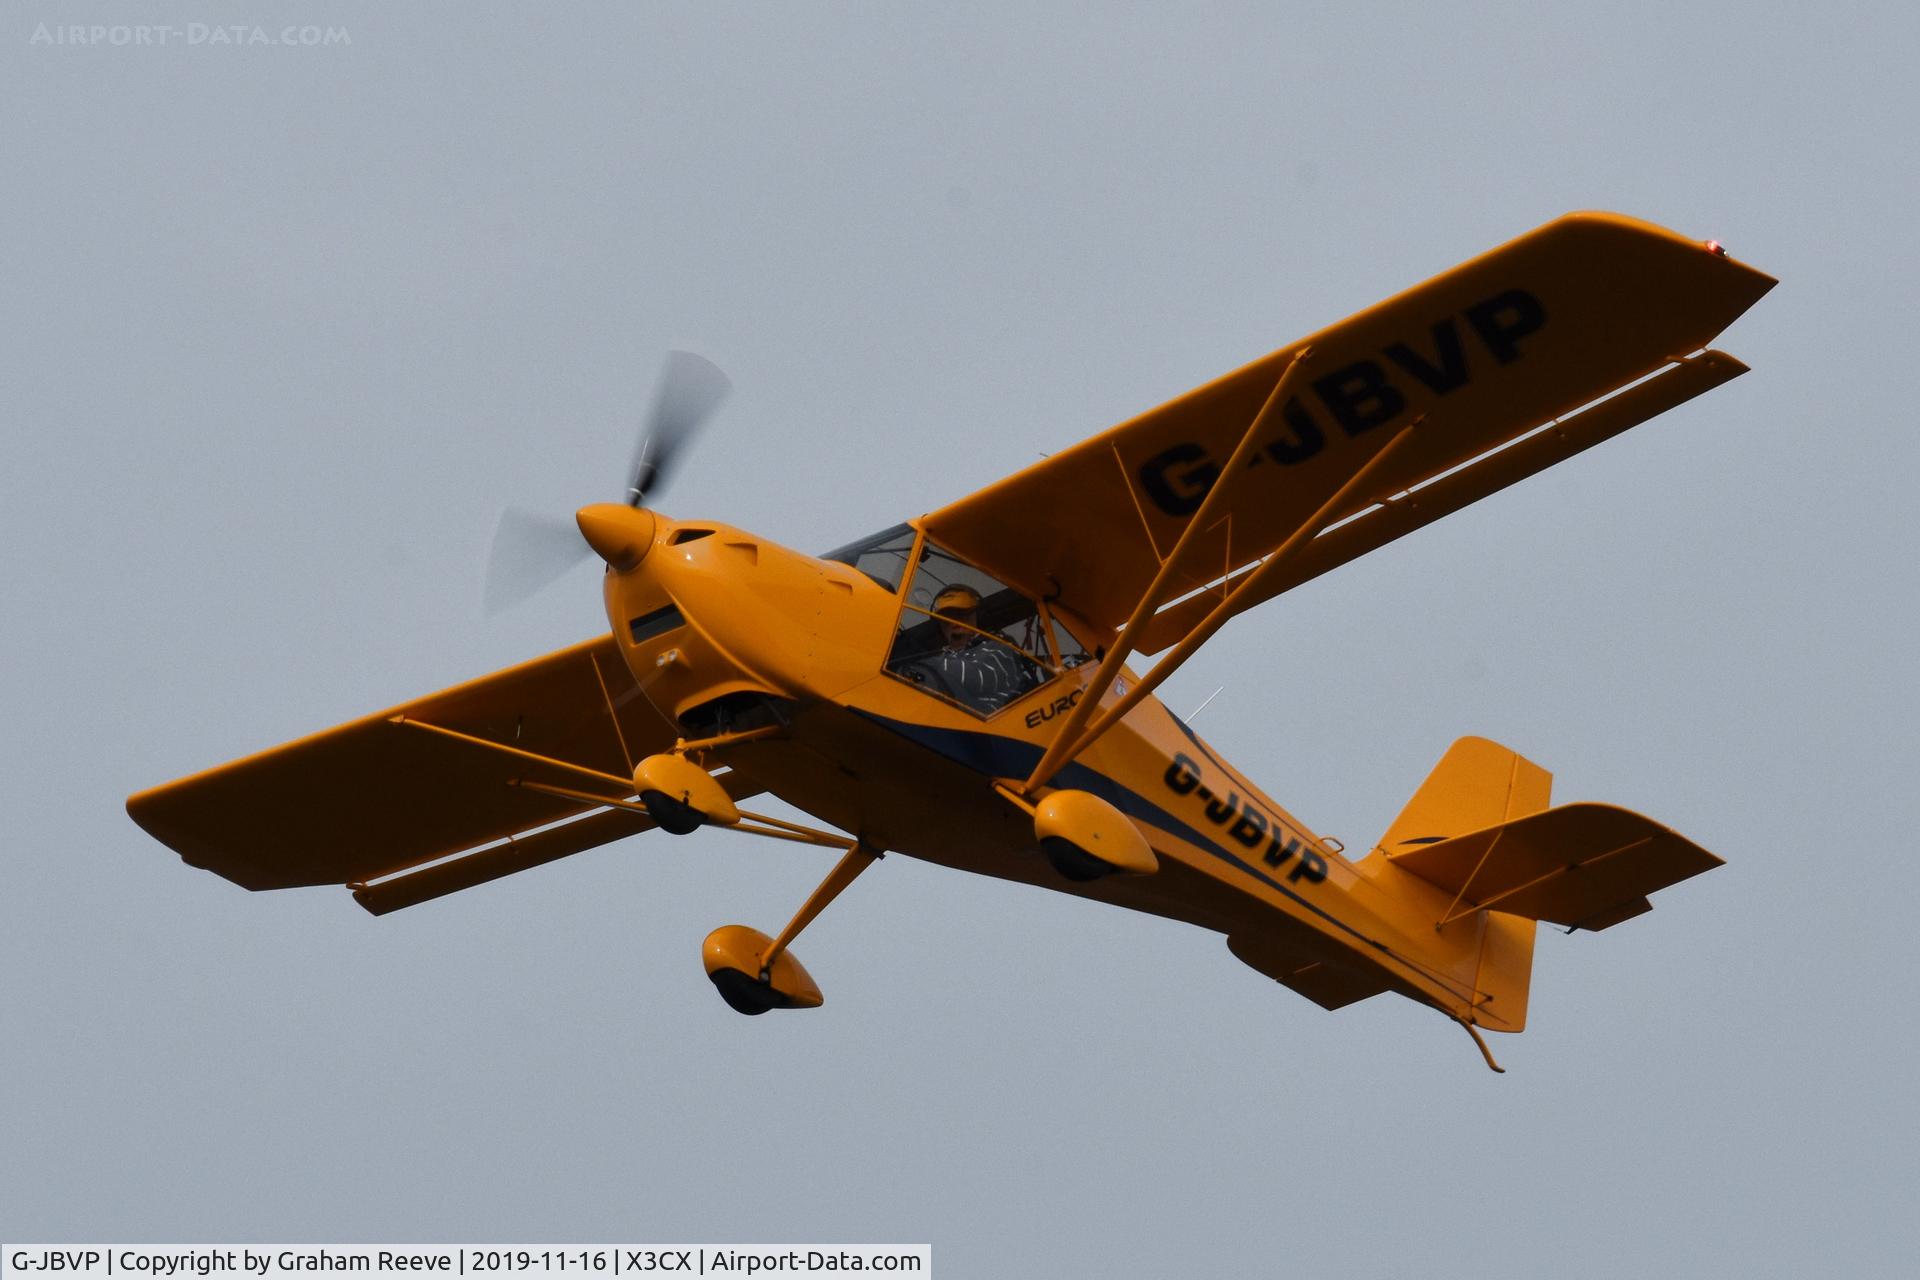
(1478, 784)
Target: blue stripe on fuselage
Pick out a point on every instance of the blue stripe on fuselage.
(997, 757)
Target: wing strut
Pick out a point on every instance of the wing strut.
(858, 858)
(409, 722)
(1073, 737)
(1057, 753)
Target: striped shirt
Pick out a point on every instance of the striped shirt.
(982, 676)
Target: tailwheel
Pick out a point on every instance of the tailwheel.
(734, 958)
(680, 796)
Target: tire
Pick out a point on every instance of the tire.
(672, 816)
(1073, 862)
(743, 994)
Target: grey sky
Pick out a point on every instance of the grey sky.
(286, 327)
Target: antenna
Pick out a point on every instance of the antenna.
(1203, 706)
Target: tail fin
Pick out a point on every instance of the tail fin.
(1479, 785)
(1476, 784)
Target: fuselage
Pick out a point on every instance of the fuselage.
(725, 630)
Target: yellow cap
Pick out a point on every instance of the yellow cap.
(958, 598)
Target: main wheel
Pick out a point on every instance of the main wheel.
(732, 956)
(1086, 838)
(681, 796)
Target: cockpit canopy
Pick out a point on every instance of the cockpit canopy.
(962, 634)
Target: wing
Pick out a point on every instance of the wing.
(1479, 357)
(419, 782)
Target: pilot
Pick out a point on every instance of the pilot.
(970, 668)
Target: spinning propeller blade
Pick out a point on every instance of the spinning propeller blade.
(531, 550)
(690, 390)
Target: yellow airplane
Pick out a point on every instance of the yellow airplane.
(956, 688)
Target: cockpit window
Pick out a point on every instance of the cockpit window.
(882, 556)
(1067, 651)
(966, 637)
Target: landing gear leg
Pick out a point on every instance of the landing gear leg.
(844, 872)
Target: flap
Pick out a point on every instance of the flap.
(1568, 866)
(512, 856)
(374, 796)
(1481, 355)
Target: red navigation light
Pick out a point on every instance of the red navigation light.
(1715, 247)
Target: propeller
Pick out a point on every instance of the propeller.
(690, 390)
(531, 550)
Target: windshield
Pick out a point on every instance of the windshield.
(881, 556)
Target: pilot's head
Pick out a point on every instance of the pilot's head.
(955, 605)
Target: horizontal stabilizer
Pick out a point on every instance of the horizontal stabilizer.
(1332, 987)
(1585, 866)
(1304, 969)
